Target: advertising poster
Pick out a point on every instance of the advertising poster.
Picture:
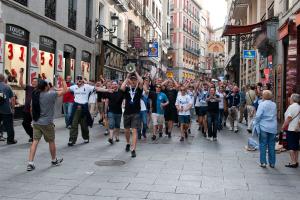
(34, 73)
(47, 65)
(85, 70)
(72, 68)
(60, 68)
(34, 55)
(153, 49)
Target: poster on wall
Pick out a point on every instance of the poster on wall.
(34, 55)
(60, 68)
(85, 70)
(47, 66)
(34, 73)
(72, 68)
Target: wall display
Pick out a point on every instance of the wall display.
(60, 68)
(34, 73)
(1, 47)
(34, 55)
(85, 65)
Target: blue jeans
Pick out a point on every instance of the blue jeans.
(143, 116)
(267, 140)
(212, 122)
(67, 111)
(114, 120)
(220, 121)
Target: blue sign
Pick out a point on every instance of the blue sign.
(153, 49)
(249, 54)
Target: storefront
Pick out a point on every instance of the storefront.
(86, 65)
(69, 60)
(16, 50)
(114, 61)
(47, 48)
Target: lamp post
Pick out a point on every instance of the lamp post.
(100, 29)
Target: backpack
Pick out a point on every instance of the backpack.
(36, 110)
(2, 97)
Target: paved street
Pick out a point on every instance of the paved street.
(164, 169)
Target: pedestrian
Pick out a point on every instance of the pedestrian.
(80, 111)
(27, 118)
(250, 98)
(222, 96)
(265, 124)
(6, 110)
(233, 106)
(68, 100)
(43, 103)
(242, 104)
(101, 101)
(212, 100)
(171, 115)
(202, 109)
(158, 101)
(144, 110)
(133, 90)
(93, 101)
(183, 104)
(291, 126)
(114, 102)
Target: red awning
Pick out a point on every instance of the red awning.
(232, 30)
(298, 19)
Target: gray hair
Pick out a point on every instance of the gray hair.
(296, 98)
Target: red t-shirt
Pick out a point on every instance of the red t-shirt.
(69, 96)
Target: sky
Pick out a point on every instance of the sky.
(217, 10)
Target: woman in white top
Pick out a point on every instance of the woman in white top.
(292, 117)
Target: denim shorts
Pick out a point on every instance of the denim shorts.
(114, 120)
(184, 119)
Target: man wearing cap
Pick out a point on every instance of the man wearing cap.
(80, 111)
(133, 90)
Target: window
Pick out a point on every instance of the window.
(50, 9)
(153, 9)
(72, 12)
(23, 2)
(287, 5)
(202, 51)
(88, 22)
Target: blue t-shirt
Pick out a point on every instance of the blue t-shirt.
(161, 98)
(6, 93)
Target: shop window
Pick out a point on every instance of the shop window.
(88, 24)
(50, 9)
(23, 2)
(72, 13)
(86, 65)
(47, 48)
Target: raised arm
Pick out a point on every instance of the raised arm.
(64, 88)
(123, 86)
(140, 80)
(21, 83)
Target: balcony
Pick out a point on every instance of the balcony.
(192, 50)
(123, 5)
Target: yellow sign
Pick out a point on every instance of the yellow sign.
(170, 74)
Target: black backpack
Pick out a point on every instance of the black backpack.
(36, 109)
(2, 97)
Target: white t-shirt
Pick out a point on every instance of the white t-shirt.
(143, 106)
(191, 93)
(184, 102)
(93, 97)
(293, 111)
(221, 102)
(81, 94)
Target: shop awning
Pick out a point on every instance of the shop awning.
(232, 30)
(298, 18)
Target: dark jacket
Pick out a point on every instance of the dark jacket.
(233, 100)
(85, 113)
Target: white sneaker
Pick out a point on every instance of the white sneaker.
(215, 139)
(211, 139)
(231, 129)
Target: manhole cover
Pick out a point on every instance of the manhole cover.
(110, 163)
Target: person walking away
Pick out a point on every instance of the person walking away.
(93, 102)
(242, 104)
(6, 110)
(171, 115)
(250, 98)
(291, 126)
(80, 112)
(184, 104)
(43, 103)
(133, 90)
(212, 100)
(221, 95)
(27, 118)
(233, 105)
(265, 123)
(157, 104)
(114, 102)
(68, 100)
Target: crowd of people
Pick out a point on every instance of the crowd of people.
(153, 105)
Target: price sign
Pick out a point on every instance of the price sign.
(60, 61)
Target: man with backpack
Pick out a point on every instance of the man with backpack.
(6, 111)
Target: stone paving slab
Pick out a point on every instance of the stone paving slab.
(165, 169)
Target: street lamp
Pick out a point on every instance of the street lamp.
(100, 28)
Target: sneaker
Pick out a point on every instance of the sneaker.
(127, 148)
(160, 134)
(189, 131)
(2, 138)
(211, 139)
(117, 140)
(181, 139)
(144, 135)
(215, 139)
(249, 130)
(57, 162)
(153, 137)
(272, 166)
(133, 154)
(86, 141)
(236, 130)
(186, 134)
(30, 167)
(169, 135)
(111, 141)
(263, 165)
(224, 124)
(106, 132)
(70, 143)
(208, 138)
(12, 142)
(69, 127)
(30, 140)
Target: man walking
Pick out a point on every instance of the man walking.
(6, 111)
(132, 88)
(233, 105)
(68, 100)
(43, 103)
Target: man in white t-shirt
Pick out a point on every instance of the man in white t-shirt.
(184, 104)
(80, 111)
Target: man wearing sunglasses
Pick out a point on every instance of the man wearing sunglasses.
(80, 111)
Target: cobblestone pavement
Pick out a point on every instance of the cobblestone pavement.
(196, 169)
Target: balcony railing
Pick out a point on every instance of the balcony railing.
(123, 4)
(72, 19)
(88, 27)
(192, 50)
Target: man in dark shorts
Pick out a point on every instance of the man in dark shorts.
(27, 119)
(133, 90)
(170, 110)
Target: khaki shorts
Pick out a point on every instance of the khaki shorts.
(101, 107)
(44, 130)
(157, 119)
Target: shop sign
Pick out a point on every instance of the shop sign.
(34, 54)
(114, 58)
(249, 54)
(153, 49)
(16, 34)
(1, 48)
(47, 44)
